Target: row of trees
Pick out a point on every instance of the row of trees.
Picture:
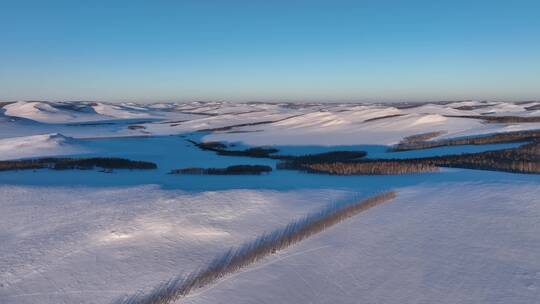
(332, 156)
(533, 107)
(221, 149)
(76, 163)
(417, 142)
(501, 119)
(21, 165)
(370, 168)
(270, 152)
(230, 170)
(524, 159)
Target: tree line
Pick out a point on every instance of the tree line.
(419, 142)
(230, 170)
(501, 119)
(523, 159)
(75, 164)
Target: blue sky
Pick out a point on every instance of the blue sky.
(376, 50)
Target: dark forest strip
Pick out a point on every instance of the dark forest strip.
(500, 119)
(416, 142)
(524, 159)
(269, 152)
(75, 164)
(230, 170)
(384, 117)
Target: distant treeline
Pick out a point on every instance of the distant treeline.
(365, 168)
(227, 128)
(418, 142)
(221, 149)
(75, 163)
(331, 156)
(136, 127)
(501, 119)
(271, 153)
(524, 159)
(533, 107)
(230, 170)
(383, 117)
(257, 123)
(475, 107)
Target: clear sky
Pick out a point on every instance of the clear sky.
(364, 50)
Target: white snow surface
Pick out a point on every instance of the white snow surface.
(436, 243)
(91, 245)
(452, 243)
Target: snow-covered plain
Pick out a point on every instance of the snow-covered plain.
(451, 243)
(88, 245)
(458, 236)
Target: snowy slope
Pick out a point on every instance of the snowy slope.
(446, 243)
(52, 112)
(456, 243)
(91, 245)
(76, 112)
(38, 145)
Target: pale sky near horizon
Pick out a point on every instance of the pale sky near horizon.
(365, 50)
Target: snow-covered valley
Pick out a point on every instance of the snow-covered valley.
(93, 236)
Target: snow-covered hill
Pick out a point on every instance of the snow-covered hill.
(72, 112)
(38, 145)
(278, 123)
